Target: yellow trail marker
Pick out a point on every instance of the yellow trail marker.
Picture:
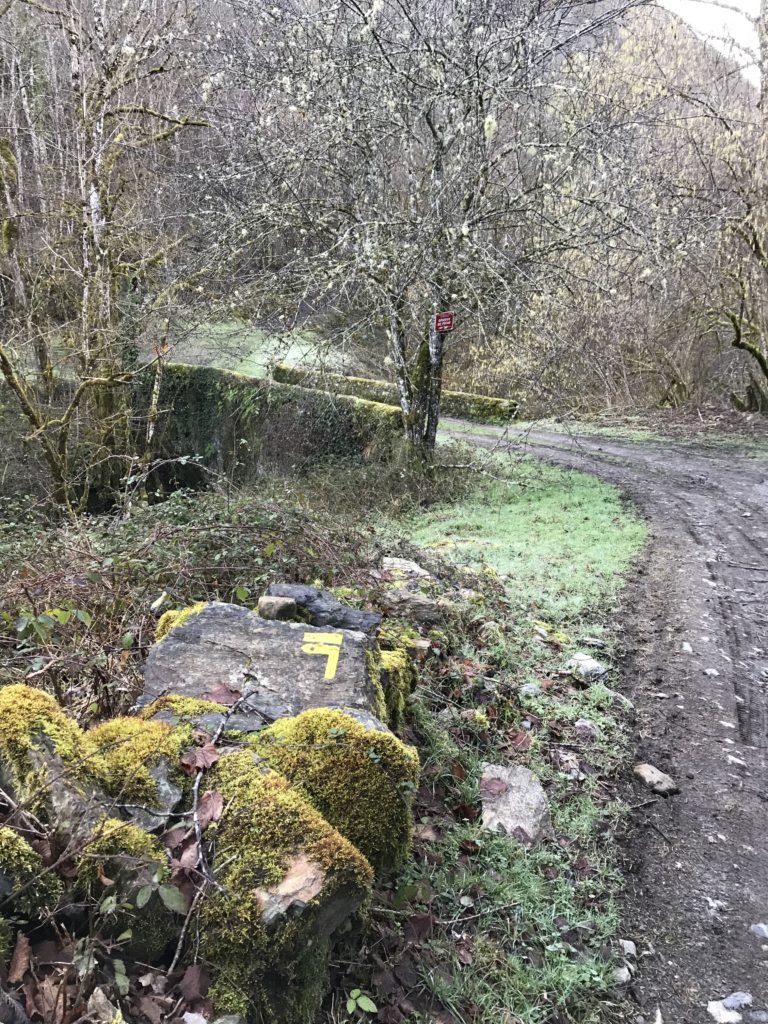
(327, 644)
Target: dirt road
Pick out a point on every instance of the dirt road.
(697, 671)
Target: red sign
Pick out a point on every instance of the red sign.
(444, 323)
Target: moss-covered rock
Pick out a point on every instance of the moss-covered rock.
(39, 745)
(360, 779)
(127, 750)
(398, 677)
(32, 888)
(288, 881)
(176, 617)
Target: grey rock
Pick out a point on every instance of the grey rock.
(413, 605)
(321, 608)
(721, 1014)
(283, 609)
(11, 1011)
(585, 666)
(622, 976)
(628, 948)
(656, 780)
(586, 730)
(514, 803)
(737, 1001)
(530, 690)
(403, 566)
(759, 930)
(758, 1016)
(281, 668)
(168, 797)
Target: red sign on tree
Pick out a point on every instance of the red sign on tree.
(444, 322)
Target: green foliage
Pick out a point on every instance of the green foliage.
(358, 1000)
(480, 408)
(231, 424)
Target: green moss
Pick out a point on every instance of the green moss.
(359, 779)
(171, 619)
(398, 677)
(118, 849)
(33, 889)
(32, 720)
(182, 707)
(6, 941)
(480, 408)
(373, 665)
(128, 748)
(266, 826)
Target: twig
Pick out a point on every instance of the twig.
(182, 936)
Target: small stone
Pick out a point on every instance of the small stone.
(413, 605)
(281, 609)
(737, 1001)
(760, 930)
(530, 690)
(686, 648)
(628, 948)
(711, 672)
(622, 975)
(758, 1017)
(656, 780)
(514, 803)
(721, 1014)
(585, 666)
(321, 608)
(404, 566)
(586, 730)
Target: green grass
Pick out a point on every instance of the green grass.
(235, 346)
(520, 935)
(561, 539)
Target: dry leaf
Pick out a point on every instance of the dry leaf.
(198, 759)
(20, 960)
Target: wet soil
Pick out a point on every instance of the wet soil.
(695, 626)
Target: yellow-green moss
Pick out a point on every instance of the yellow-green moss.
(373, 665)
(6, 946)
(34, 889)
(359, 779)
(170, 620)
(266, 825)
(183, 707)
(128, 747)
(117, 848)
(398, 677)
(31, 719)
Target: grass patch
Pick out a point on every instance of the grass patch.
(559, 539)
(514, 934)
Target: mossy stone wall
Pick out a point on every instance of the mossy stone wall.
(234, 424)
(478, 408)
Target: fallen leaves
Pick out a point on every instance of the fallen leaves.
(199, 759)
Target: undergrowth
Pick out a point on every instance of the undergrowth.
(480, 929)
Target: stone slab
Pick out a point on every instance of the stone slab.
(283, 668)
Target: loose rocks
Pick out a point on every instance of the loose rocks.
(514, 803)
(656, 780)
(320, 608)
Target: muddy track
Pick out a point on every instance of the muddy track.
(696, 638)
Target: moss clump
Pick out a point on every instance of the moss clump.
(170, 620)
(398, 677)
(117, 849)
(30, 721)
(183, 708)
(359, 779)
(373, 665)
(266, 826)
(33, 889)
(127, 748)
